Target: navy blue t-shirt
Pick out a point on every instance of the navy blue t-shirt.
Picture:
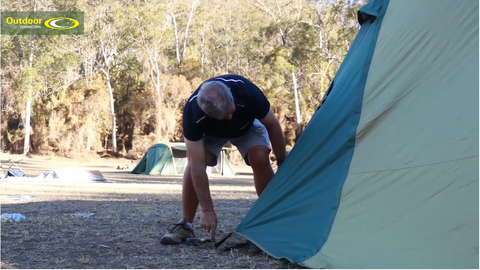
(250, 104)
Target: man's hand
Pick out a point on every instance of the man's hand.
(208, 222)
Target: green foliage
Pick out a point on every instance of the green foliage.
(131, 97)
(176, 92)
(191, 68)
(134, 42)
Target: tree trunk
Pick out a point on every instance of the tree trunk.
(88, 142)
(203, 51)
(155, 75)
(26, 145)
(28, 109)
(108, 51)
(297, 108)
(190, 16)
(159, 102)
(1, 130)
(175, 31)
(112, 106)
(320, 25)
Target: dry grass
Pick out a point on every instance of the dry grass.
(129, 218)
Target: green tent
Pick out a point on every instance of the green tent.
(171, 159)
(385, 174)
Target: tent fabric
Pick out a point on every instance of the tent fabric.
(386, 173)
(63, 175)
(326, 165)
(171, 159)
(158, 160)
(73, 175)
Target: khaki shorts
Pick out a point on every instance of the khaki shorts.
(256, 135)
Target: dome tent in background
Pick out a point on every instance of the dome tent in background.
(386, 173)
(171, 159)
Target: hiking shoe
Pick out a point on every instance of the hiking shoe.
(177, 233)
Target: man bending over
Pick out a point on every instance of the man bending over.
(227, 108)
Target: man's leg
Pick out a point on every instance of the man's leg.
(258, 157)
(255, 149)
(182, 230)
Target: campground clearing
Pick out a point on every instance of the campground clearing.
(130, 214)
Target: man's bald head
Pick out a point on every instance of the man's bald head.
(216, 100)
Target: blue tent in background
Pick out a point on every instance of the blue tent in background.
(386, 173)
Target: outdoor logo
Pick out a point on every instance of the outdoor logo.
(42, 23)
(52, 23)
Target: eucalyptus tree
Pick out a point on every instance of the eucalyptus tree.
(109, 34)
(47, 65)
(182, 14)
(306, 43)
(227, 38)
(337, 26)
(27, 71)
(151, 40)
(283, 18)
(22, 68)
(136, 55)
(132, 97)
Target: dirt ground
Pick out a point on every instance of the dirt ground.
(130, 214)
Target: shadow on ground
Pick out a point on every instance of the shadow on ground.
(124, 232)
(127, 177)
(130, 216)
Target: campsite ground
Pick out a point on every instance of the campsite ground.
(131, 213)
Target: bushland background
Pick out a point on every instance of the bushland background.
(121, 86)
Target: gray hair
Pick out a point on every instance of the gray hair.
(215, 99)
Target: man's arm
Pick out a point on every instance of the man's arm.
(276, 136)
(196, 163)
